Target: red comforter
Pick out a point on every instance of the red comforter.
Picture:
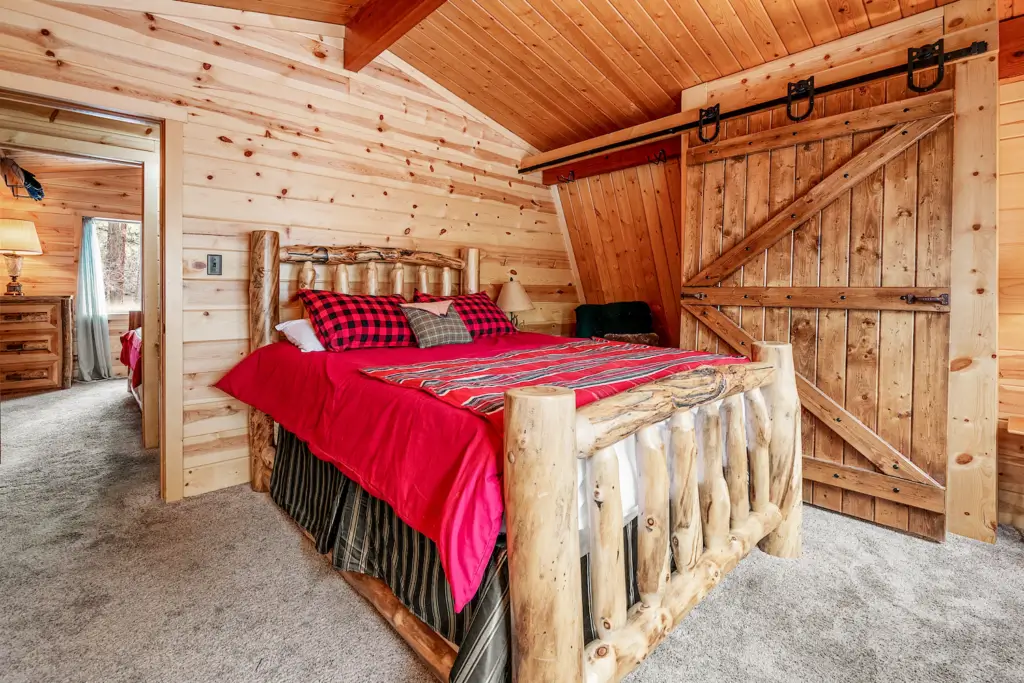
(131, 355)
(437, 465)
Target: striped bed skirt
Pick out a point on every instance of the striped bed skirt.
(365, 535)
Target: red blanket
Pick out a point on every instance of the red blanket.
(595, 368)
(438, 466)
(131, 355)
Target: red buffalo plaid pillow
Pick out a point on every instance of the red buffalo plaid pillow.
(482, 316)
(344, 321)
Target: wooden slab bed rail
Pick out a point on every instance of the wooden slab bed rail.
(727, 478)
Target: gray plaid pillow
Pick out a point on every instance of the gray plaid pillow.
(437, 330)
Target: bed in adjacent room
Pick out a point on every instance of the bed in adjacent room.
(396, 461)
(131, 354)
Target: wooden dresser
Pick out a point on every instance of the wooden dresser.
(35, 343)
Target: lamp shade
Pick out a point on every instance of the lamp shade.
(19, 237)
(513, 298)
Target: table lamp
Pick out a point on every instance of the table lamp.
(17, 239)
(514, 299)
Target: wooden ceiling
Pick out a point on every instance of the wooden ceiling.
(560, 71)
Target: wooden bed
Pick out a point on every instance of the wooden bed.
(728, 478)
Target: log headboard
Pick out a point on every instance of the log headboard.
(266, 255)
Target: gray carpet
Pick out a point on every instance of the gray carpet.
(99, 581)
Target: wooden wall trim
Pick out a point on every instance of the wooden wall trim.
(973, 327)
(172, 479)
(151, 347)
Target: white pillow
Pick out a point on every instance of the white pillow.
(300, 333)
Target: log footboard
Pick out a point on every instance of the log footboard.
(726, 478)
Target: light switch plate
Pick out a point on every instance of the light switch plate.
(214, 264)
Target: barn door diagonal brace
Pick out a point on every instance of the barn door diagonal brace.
(851, 430)
(873, 157)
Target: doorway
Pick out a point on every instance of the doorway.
(95, 175)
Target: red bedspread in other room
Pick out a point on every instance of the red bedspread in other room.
(131, 355)
(437, 465)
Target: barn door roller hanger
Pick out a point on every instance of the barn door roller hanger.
(918, 59)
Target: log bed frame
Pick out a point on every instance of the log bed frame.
(727, 478)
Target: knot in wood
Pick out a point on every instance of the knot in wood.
(651, 522)
(603, 650)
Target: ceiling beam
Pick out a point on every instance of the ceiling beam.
(379, 24)
(1011, 49)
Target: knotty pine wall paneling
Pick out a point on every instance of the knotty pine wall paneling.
(1011, 301)
(624, 230)
(279, 136)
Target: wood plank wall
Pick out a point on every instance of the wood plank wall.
(115, 192)
(280, 137)
(624, 228)
(1011, 301)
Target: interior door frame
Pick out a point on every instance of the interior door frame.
(163, 184)
(150, 166)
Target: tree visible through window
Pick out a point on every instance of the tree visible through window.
(121, 252)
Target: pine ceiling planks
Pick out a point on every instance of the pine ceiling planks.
(560, 71)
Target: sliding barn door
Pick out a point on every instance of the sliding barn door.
(860, 288)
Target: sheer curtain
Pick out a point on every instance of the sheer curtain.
(91, 324)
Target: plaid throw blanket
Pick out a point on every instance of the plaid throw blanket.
(595, 368)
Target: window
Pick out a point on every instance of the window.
(121, 252)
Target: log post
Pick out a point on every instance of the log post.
(307, 275)
(264, 314)
(607, 560)
(424, 281)
(653, 534)
(687, 540)
(447, 288)
(785, 463)
(543, 541)
(372, 279)
(397, 279)
(736, 473)
(759, 435)
(714, 493)
(341, 283)
(471, 273)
